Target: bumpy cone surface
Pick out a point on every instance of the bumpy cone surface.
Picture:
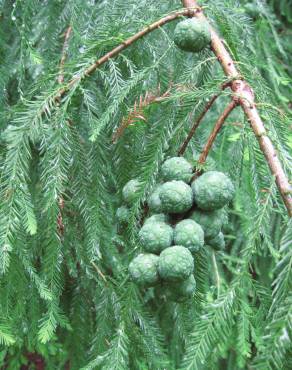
(212, 190)
(175, 263)
(252, 10)
(130, 191)
(154, 201)
(211, 221)
(178, 291)
(192, 35)
(189, 234)
(155, 237)
(176, 197)
(122, 215)
(144, 269)
(218, 242)
(159, 217)
(176, 168)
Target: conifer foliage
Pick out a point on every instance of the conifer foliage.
(98, 94)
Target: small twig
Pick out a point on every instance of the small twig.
(217, 275)
(64, 54)
(196, 124)
(199, 120)
(60, 224)
(98, 271)
(214, 133)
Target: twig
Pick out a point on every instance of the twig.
(60, 224)
(247, 102)
(196, 124)
(64, 54)
(199, 120)
(217, 275)
(215, 131)
(98, 271)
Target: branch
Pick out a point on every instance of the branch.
(60, 224)
(199, 119)
(247, 102)
(125, 44)
(196, 124)
(99, 272)
(215, 131)
(64, 54)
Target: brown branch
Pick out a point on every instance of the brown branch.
(60, 224)
(215, 131)
(64, 54)
(247, 102)
(196, 124)
(61, 203)
(125, 44)
(199, 119)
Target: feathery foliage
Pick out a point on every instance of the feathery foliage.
(65, 294)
